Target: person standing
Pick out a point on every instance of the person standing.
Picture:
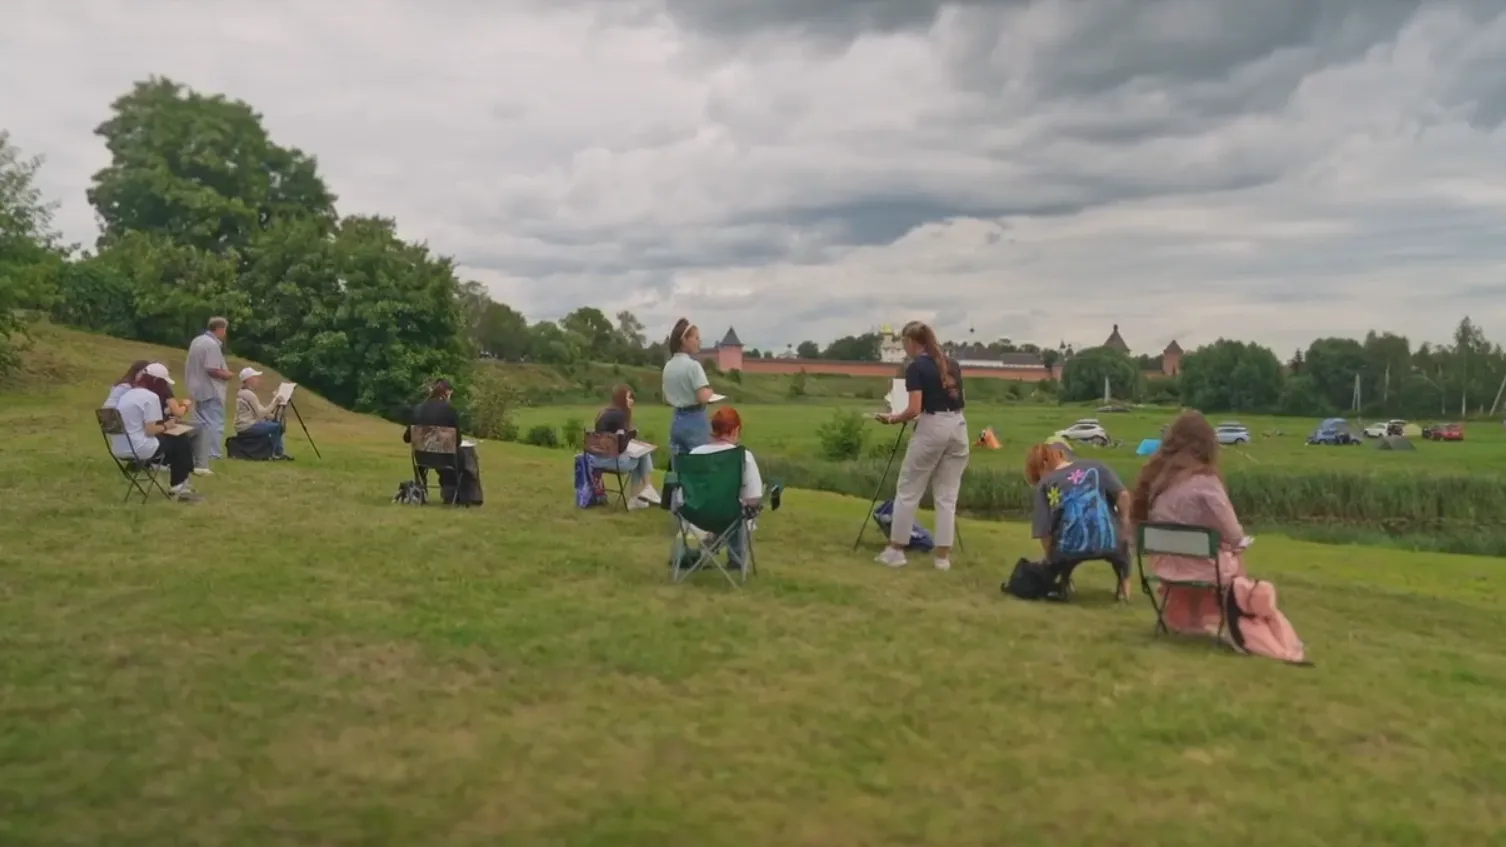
(938, 451)
(687, 389)
(208, 379)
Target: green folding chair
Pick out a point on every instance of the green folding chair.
(710, 520)
(1172, 539)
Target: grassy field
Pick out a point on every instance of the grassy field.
(298, 661)
(789, 429)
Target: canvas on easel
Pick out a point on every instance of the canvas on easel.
(898, 397)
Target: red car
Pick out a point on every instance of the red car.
(1446, 432)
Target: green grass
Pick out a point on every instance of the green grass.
(297, 661)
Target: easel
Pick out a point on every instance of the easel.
(879, 490)
(281, 416)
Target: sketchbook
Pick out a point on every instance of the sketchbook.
(637, 449)
(899, 398)
(717, 398)
(178, 429)
(284, 393)
(467, 443)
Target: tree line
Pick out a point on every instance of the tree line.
(201, 213)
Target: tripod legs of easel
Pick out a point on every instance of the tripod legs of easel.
(283, 418)
(879, 490)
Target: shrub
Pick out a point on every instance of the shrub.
(542, 435)
(735, 375)
(575, 433)
(493, 406)
(797, 385)
(842, 436)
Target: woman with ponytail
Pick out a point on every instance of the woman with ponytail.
(687, 389)
(938, 451)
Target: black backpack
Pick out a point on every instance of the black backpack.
(1033, 581)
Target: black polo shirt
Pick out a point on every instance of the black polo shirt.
(922, 375)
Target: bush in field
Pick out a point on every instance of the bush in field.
(797, 385)
(542, 435)
(841, 437)
(575, 433)
(493, 407)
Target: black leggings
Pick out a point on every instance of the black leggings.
(178, 451)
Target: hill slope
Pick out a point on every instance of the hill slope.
(296, 660)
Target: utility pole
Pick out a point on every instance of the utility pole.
(1386, 386)
(1355, 401)
(1494, 405)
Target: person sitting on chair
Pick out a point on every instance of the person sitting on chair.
(726, 434)
(437, 411)
(618, 418)
(145, 439)
(1081, 512)
(252, 419)
(1181, 484)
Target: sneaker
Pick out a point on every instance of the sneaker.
(283, 458)
(636, 504)
(892, 558)
(649, 495)
(203, 472)
(184, 493)
(943, 564)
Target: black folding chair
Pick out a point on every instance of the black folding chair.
(437, 449)
(1194, 542)
(608, 447)
(137, 469)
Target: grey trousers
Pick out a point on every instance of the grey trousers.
(937, 456)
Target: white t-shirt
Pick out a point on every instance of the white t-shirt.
(115, 393)
(752, 480)
(138, 407)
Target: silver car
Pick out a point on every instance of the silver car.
(1232, 433)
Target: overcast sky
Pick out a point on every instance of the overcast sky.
(1263, 169)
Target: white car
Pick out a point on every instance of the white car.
(1232, 433)
(1379, 430)
(1086, 430)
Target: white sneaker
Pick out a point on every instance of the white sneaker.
(203, 472)
(636, 504)
(892, 558)
(943, 564)
(649, 495)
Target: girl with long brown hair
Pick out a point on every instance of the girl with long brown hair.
(1181, 484)
(938, 451)
(617, 419)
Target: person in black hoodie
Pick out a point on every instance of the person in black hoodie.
(438, 411)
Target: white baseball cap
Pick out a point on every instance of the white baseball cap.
(247, 373)
(158, 370)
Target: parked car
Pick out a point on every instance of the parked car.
(1380, 430)
(1088, 429)
(1333, 431)
(1444, 432)
(1232, 432)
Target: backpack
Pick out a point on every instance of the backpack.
(920, 537)
(410, 493)
(589, 488)
(1033, 581)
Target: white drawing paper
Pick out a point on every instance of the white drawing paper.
(637, 449)
(284, 393)
(899, 398)
(717, 398)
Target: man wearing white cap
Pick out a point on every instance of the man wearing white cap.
(254, 420)
(145, 429)
(208, 377)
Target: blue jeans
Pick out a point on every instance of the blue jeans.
(639, 470)
(266, 429)
(209, 417)
(688, 429)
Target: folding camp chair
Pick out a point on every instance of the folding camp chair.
(608, 448)
(710, 518)
(1194, 542)
(135, 469)
(437, 449)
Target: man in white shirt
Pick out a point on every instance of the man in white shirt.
(145, 438)
(208, 378)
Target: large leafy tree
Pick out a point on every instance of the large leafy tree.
(1332, 364)
(854, 348)
(1084, 373)
(200, 171)
(30, 256)
(1231, 376)
(173, 289)
(502, 332)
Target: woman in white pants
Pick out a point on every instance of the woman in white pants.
(938, 450)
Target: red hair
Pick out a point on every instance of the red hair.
(725, 421)
(1041, 459)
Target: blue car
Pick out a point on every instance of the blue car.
(1333, 431)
